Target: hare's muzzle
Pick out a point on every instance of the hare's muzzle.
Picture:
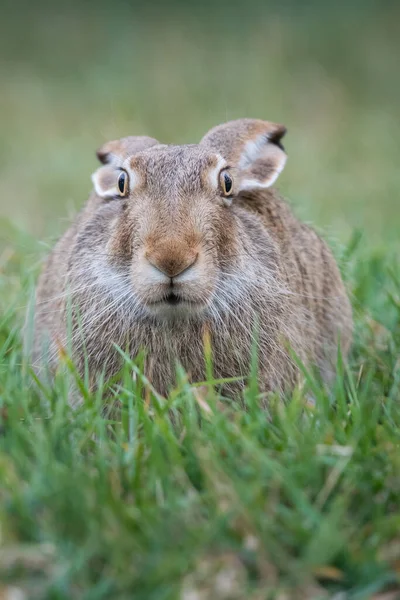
(172, 276)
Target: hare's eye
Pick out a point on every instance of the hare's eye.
(226, 183)
(122, 183)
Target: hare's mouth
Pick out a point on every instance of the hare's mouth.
(174, 305)
(173, 299)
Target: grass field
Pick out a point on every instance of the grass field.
(192, 497)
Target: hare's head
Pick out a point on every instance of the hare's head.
(175, 227)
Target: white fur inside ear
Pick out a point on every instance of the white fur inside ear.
(253, 149)
(215, 171)
(105, 181)
(249, 184)
(261, 164)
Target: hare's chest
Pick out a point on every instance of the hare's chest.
(167, 351)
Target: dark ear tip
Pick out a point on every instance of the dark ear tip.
(277, 135)
(102, 156)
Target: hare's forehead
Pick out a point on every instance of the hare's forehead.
(188, 165)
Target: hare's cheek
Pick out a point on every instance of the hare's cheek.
(120, 242)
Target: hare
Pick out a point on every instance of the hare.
(176, 242)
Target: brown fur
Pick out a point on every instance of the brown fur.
(248, 271)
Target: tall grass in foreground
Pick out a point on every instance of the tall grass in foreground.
(194, 497)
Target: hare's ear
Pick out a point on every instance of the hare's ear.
(117, 151)
(252, 147)
(105, 181)
(111, 181)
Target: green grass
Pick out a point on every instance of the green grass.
(180, 498)
(164, 495)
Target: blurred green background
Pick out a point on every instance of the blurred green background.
(76, 74)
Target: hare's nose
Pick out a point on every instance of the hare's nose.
(171, 262)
